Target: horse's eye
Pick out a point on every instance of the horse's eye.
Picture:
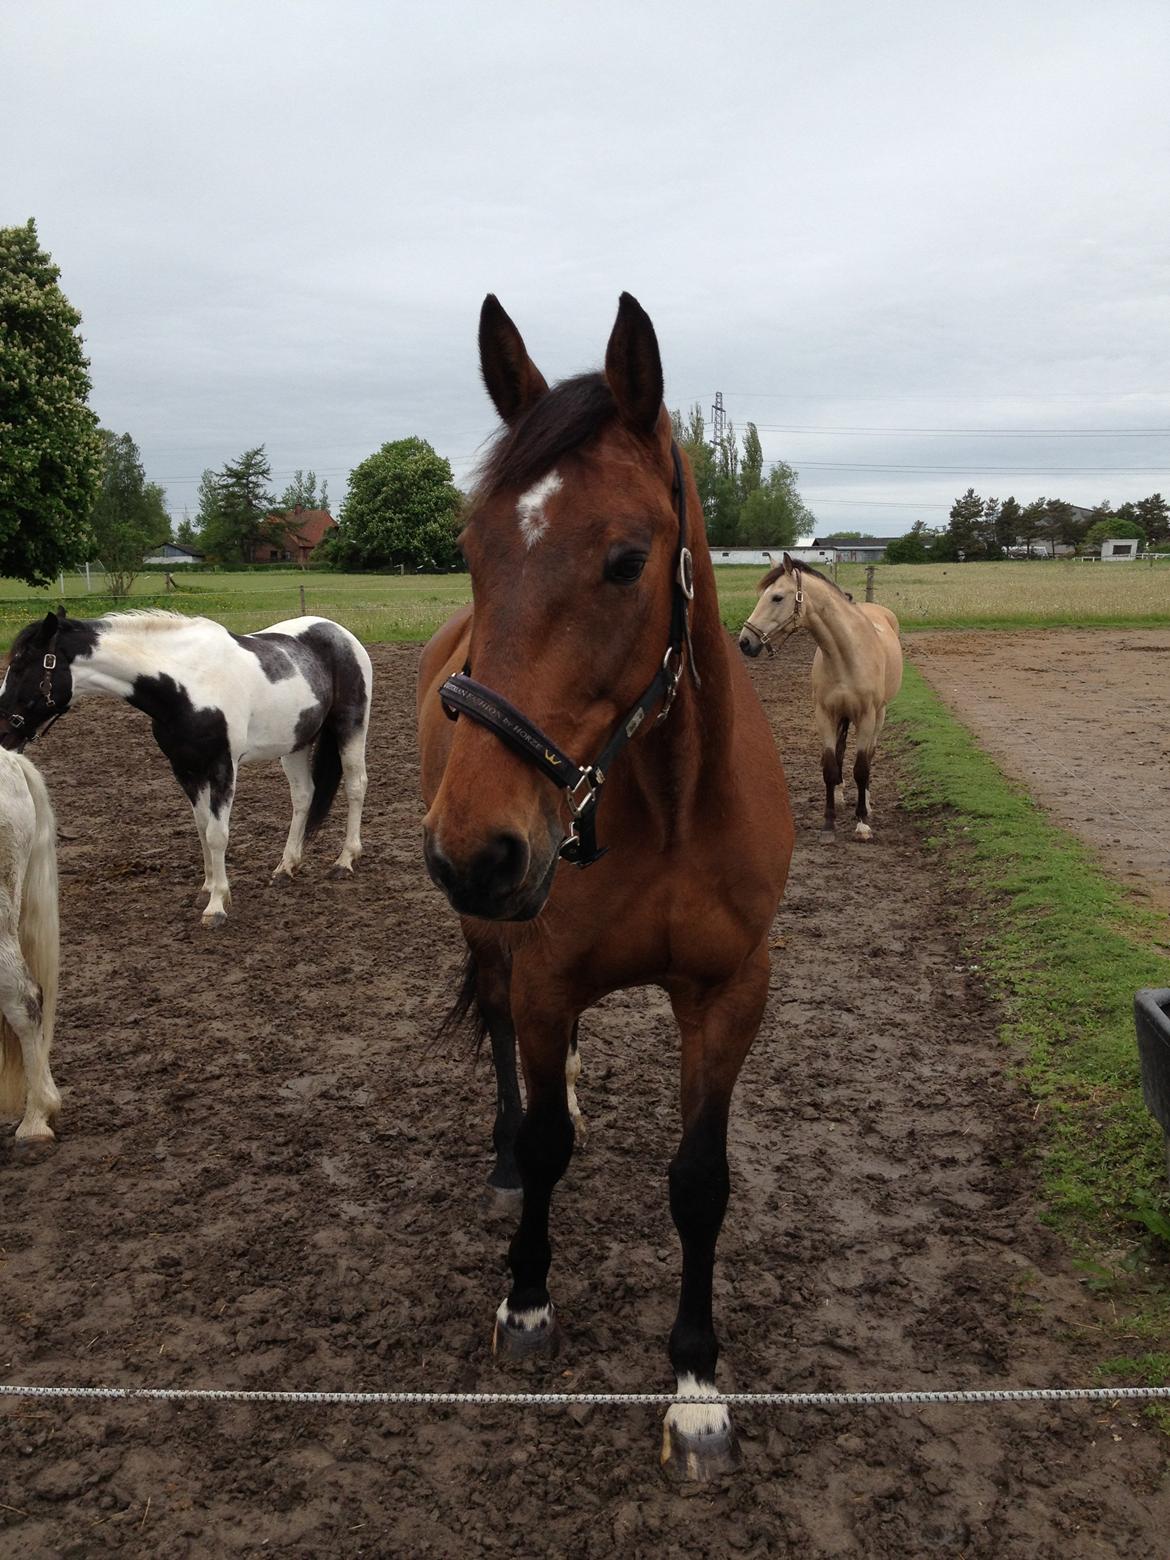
(625, 567)
(777, 599)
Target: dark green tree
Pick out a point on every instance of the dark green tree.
(844, 536)
(50, 452)
(237, 519)
(1005, 524)
(186, 535)
(130, 516)
(1033, 520)
(910, 548)
(691, 435)
(1059, 523)
(302, 490)
(1153, 515)
(402, 508)
(966, 526)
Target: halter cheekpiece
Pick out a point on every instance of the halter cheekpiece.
(582, 783)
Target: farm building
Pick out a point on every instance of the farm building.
(865, 549)
(1119, 549)
(767, 558)
(298, 533)
(172, 555)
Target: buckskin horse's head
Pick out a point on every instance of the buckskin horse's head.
(571, 540)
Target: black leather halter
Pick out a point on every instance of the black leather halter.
(582, 783)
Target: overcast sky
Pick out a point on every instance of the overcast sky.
(279, 221)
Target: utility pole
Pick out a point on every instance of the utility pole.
(718, 421)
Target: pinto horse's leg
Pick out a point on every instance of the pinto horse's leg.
(572, 1075)
(298, 769)
(353, 768)
(525, 1322)
(20, 1003)
(213, 820)
(718, 1027)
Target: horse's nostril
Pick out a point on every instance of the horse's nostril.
(503, 862)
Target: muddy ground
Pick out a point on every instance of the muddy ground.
(270, 1177)
(1081, 718)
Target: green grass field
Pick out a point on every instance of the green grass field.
(381, 607)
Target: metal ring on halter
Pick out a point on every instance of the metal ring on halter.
(686, 573)
(673, 676)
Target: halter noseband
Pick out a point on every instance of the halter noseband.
(785, 629)
(582, 783)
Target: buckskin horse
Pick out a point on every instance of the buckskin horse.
(856, 671)
(606, 806)
(298, 691)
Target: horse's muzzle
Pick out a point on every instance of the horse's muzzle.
(495, 883)
(750, 645)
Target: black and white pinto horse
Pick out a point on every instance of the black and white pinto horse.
(29, 953)
(298, 691)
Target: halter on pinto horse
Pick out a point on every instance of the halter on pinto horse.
(586, 712)
(856, 671)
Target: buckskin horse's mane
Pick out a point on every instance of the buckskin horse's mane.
(805, 568)
(563, 419)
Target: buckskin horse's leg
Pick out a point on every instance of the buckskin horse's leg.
(866, 742)
(718, 1026)
(526, 1323)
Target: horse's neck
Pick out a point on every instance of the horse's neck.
(835, 625)
(118, 660)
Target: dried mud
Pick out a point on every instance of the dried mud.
(269, 1176)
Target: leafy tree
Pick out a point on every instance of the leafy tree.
(402, 508)
(130, 516)
(1033, 518)
(1058, 524)
(907, 549)
(966, 526)
(238, 503)
(1101, 531)
(751, 467)
(302, 491)
(691, 436)
(844, 536)
(186, 535)
(50, 452)
(772, 515)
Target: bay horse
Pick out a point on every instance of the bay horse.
(594, 630)
(856, 671)
(298, 691)
(29, 953)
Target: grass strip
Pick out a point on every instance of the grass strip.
(1065, 949)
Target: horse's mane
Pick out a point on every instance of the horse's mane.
(153, 617)
(561, 420)
(805, 568)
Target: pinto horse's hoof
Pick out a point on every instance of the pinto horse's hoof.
(502, 1202)
(339, 874)
(213, 923)
(512, 1339)
(280, 880)
(689, 1457)
(32, 1150)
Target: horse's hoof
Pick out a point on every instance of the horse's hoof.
(690, 1458)
(512, 1342)
(339, 874)
(214, 922)
(280, 880)
(502, 1202)
(580, 1131)
(863, 832)
(32, 1150)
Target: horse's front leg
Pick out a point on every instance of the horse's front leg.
(20, 1003)
(213, 810)
(833, 735)
(867, 729)
(525, 1322)
(718, 1027)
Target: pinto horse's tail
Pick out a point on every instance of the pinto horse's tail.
(326, 778)
(39, 938)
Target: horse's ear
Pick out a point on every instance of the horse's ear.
(788, 564)
(49, 627)
(633, 366)
(61, 613)
(512, 379)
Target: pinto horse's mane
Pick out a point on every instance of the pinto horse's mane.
(153, 617)
(563, 419)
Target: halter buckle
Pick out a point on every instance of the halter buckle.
(577, 803)
(50, 662)
(686, 573)
(16, 721)
(673, 675)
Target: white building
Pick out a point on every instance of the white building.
(1120, 549)
(768, 558)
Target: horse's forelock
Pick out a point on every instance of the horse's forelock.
(562, 420)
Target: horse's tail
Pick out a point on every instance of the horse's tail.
(465, 1005)
(326, 778)
(39, 937)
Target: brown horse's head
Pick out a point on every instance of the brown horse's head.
(570, 540)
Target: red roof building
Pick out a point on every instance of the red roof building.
(296, 536)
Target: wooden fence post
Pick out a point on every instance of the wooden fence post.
(869, 582)
(302, 601)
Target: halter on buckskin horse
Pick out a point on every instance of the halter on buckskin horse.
(606, 806)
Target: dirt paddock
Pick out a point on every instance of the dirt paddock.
(1081, 718)
(270, 1177)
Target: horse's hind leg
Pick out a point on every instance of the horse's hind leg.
(717, 1030)
(832, 734)
(20, 1003)
(353, 769)
(298, 769)
(213, 820)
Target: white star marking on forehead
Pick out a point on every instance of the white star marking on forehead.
(530, 507)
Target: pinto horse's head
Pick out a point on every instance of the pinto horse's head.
(777, 612)
(37, 685)
(571, 540)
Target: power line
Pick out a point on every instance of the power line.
(973, 469)
(989, 433)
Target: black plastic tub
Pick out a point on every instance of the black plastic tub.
(1151, 1012)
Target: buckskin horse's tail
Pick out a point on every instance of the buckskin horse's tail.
(39, 938)
(326, 778)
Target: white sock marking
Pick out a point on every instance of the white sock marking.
(530, 507)
(524, 1321)
(695, 1419)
